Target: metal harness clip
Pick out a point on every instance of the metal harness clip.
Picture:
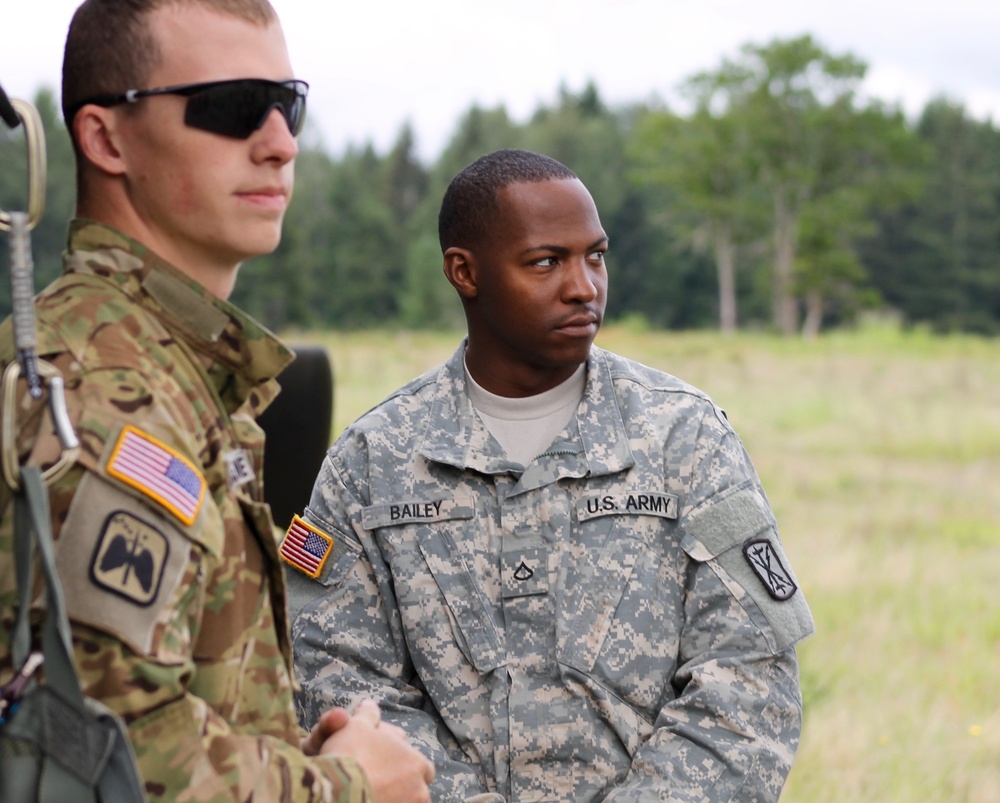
(19, 224)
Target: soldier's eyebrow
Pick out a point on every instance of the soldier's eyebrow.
(559, 249)
(562, 249)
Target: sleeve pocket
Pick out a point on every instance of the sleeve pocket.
(737, 536)
(303, 585)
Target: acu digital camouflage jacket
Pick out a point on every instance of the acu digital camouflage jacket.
(615, 621)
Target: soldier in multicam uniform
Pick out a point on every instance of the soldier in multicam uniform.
(555, 568)
(164, 545)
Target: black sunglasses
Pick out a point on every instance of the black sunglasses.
(234, 108)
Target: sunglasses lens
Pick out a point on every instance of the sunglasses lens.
(238, 108)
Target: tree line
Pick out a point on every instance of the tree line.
(781, 199)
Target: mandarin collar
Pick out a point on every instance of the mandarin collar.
(210, 325)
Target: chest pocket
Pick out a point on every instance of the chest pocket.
(597, 593)
(620, 609)
(623, 527)
(435, 528)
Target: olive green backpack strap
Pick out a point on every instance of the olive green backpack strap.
(56, 745)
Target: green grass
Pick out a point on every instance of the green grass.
(880, 452)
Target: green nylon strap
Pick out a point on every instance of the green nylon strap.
(61, 786)
(81, 752)
(31, 518)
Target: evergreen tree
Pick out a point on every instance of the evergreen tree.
(937, 260)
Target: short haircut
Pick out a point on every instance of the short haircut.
(469, 207)
(111, 48)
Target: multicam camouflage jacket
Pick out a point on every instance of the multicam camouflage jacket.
(615, 621)
(164, 546)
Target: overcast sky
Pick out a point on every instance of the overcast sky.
(375, 65)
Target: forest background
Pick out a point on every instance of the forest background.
(782, 200)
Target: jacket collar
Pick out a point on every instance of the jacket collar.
(594, 443)
(210, 326)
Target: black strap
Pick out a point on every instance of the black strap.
(7, 112)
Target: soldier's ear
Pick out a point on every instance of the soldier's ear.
(96, 131)
(462, 271)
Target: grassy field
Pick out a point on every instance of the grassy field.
(880, 452)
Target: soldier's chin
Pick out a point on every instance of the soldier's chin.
(262, 242)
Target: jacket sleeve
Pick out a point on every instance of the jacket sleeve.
(147, 673)
(732, 729)
(369, 657)
(732, 732)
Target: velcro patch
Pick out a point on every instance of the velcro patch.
(631, 503)
(129, 558)
(239, 469)
(417, 511)
(766, 564)
(305, 547)
(159, 472)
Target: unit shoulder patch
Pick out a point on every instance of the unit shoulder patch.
(122, 567)
(159, 472)
(766, 564)
(129, 558)
(305, 547)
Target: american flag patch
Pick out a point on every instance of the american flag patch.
(161, 473)
(305, 547)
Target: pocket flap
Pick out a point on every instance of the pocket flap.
(724, 524)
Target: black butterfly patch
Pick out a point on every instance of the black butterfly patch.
(130, 557)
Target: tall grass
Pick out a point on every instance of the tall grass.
(880, 452)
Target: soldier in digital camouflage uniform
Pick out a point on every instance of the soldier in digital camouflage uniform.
(165, 547)
(554, 567)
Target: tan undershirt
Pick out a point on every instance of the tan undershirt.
(525, 427)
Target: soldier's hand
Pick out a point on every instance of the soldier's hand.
(331, 722)
(396, 771)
